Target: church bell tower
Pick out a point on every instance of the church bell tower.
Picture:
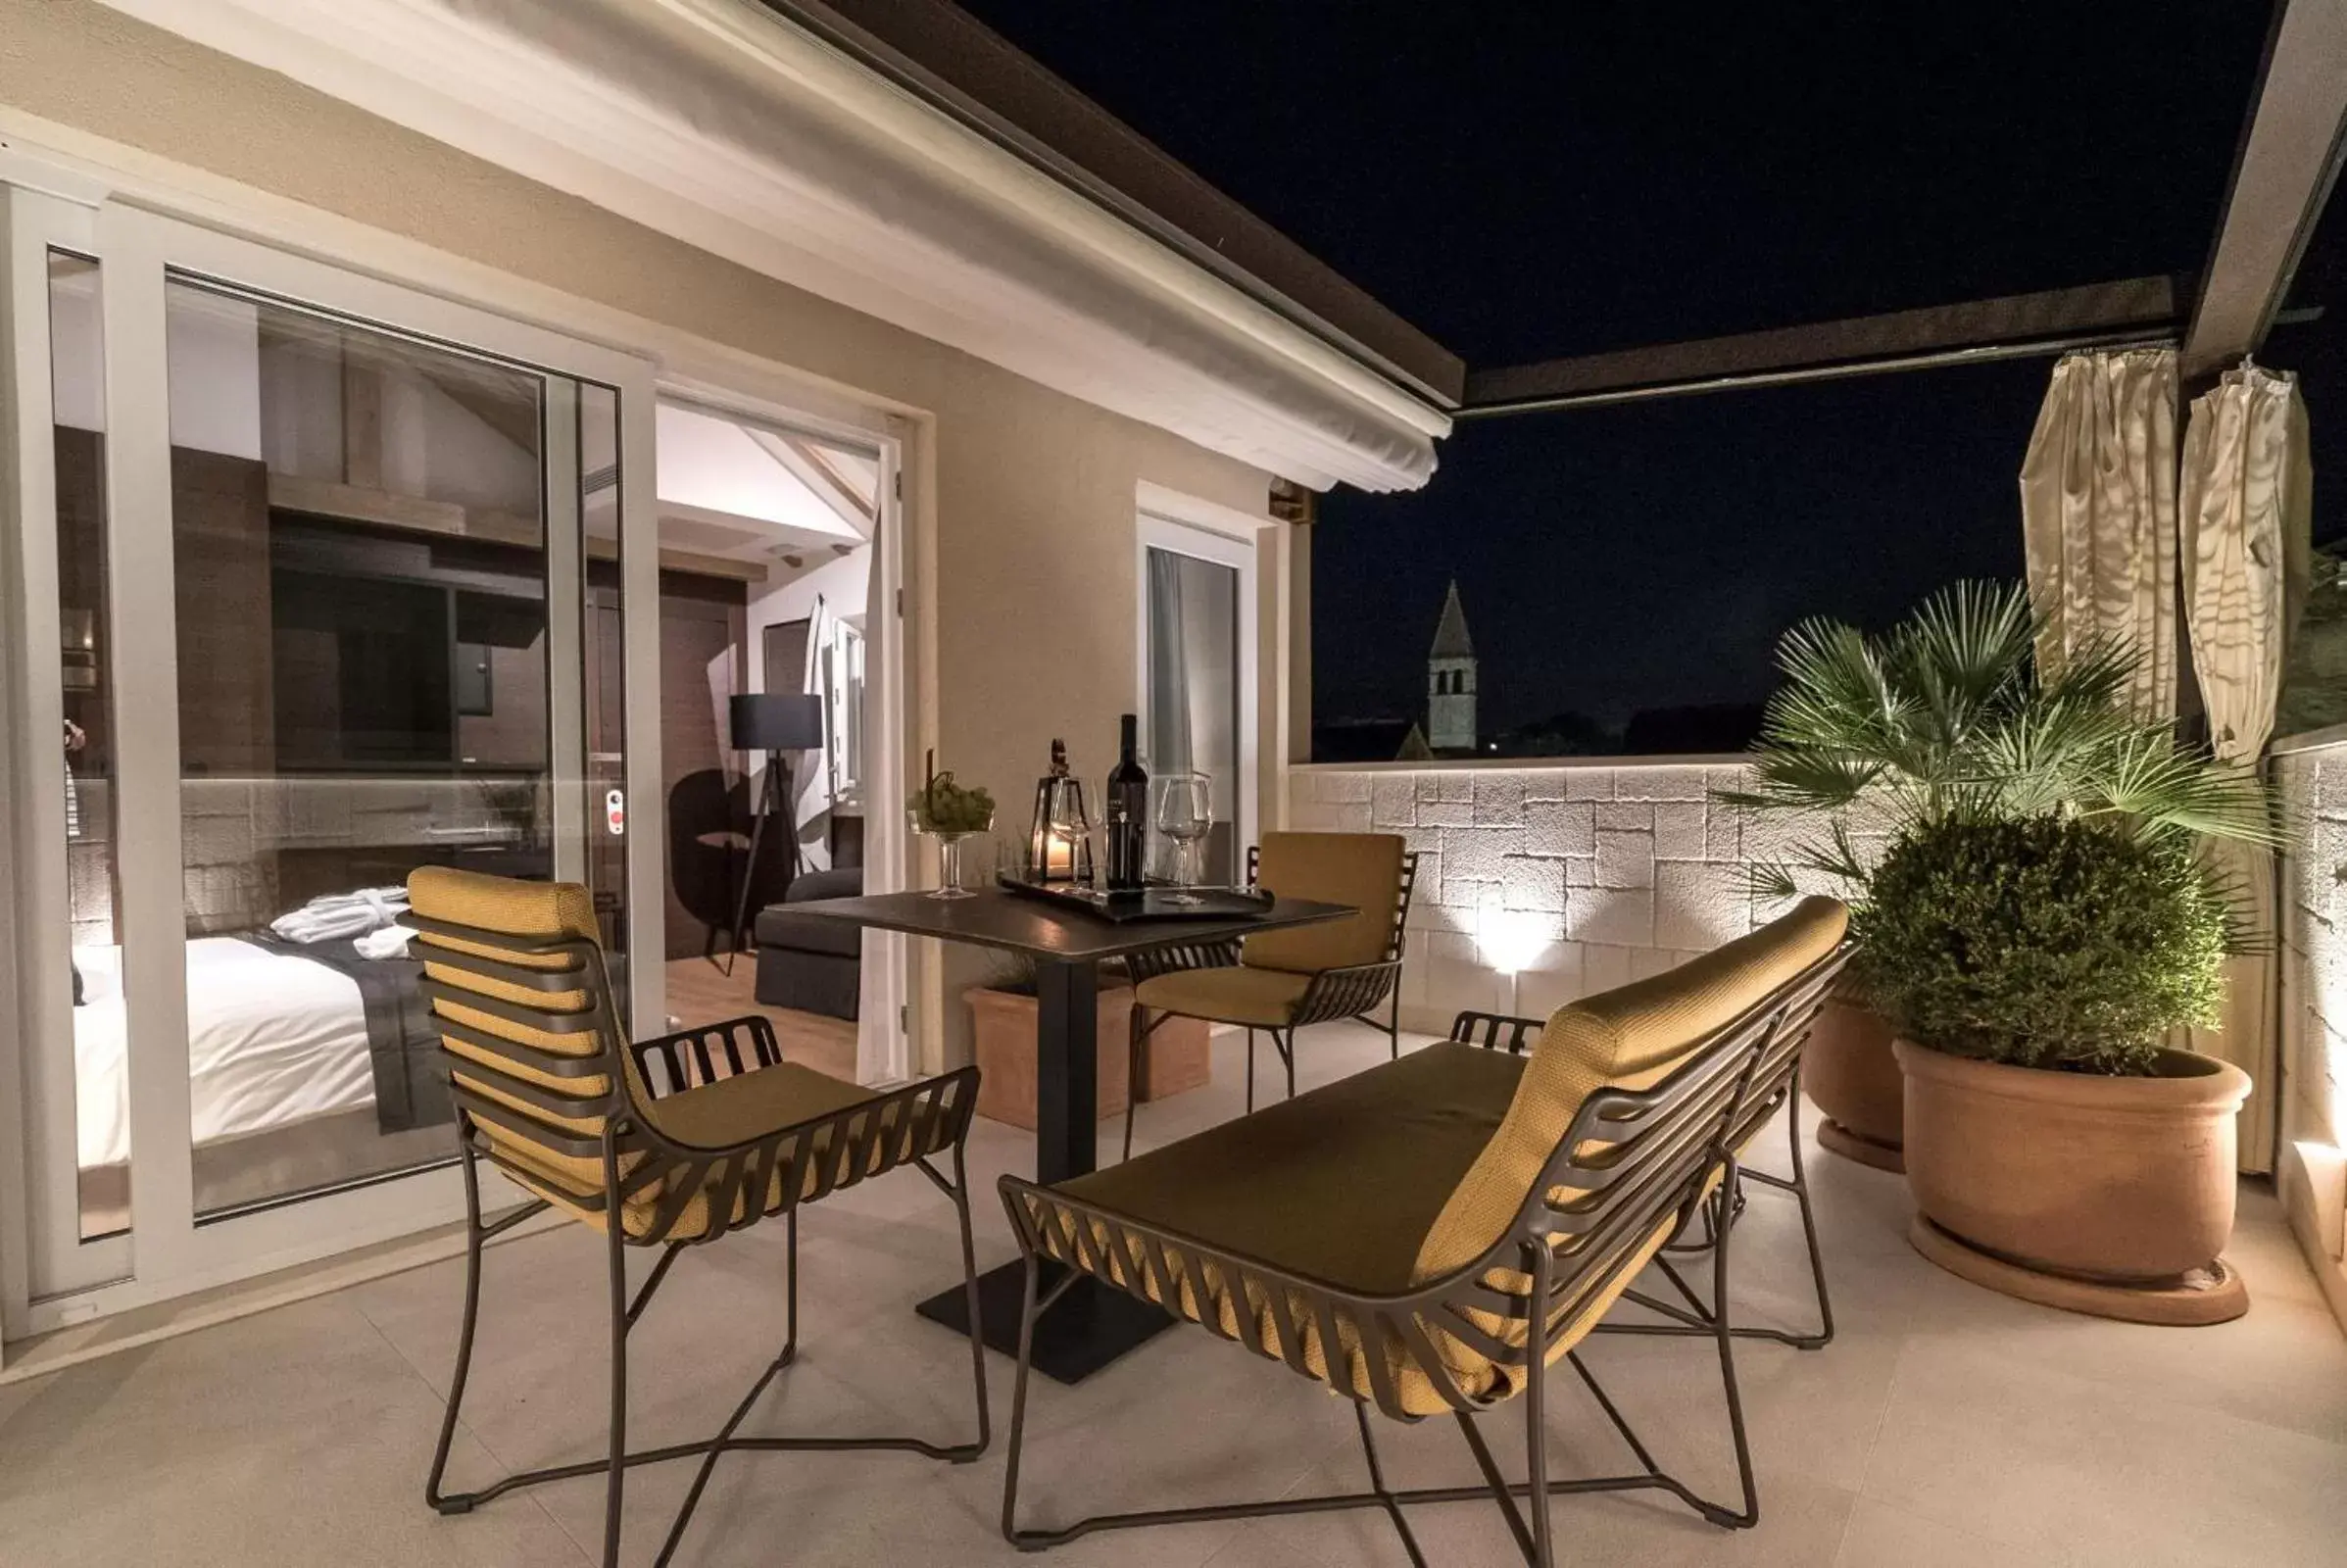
(1450, 681)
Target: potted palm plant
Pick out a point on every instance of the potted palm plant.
(1872, 736)
(2041, 924)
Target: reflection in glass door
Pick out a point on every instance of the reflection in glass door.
(1194, 683)
(320, 580)
(368, 683)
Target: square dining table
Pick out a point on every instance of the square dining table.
(1092, 1324)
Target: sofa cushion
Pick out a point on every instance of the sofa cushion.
(778, 925)
(835, 882)
(1338, 1183)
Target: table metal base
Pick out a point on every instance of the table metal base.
(1085, 1330)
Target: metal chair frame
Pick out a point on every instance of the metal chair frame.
(810, 1159)
(1353, 991)
(1631, 1164)
(1779, 1087)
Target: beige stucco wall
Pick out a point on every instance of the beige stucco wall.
(1031, 496)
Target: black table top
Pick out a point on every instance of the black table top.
(991, 918)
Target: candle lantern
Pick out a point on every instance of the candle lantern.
(1059, 848)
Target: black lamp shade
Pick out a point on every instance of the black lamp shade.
(771, 722)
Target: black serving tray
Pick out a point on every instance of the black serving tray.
(1146, 903)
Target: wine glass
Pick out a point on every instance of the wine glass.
(1185, 815)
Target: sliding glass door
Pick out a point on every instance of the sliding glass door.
(334, 580)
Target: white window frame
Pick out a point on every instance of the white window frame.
(1206, 530)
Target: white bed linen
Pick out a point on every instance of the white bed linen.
(272, 1039)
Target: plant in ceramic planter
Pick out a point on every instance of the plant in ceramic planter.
(1949, 713)
(2058, 1149)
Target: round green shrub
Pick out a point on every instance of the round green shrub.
(2047, 942)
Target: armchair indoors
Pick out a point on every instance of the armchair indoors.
(660, 1144)
(1284, 981)
(1428, 1237)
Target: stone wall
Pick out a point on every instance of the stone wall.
(1600, 871)
(234, 831)
(2311, 1168)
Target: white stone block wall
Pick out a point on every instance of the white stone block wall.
(2312, 1171)
(1601, 871)
(230, 830)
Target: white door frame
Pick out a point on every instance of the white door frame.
(886, 1004)
(1187, 525)
(169, 1254)
(37, 1122)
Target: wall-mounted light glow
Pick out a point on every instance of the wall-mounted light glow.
(1512, 940)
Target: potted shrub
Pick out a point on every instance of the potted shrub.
(1003, 1034)
(1871, 736)
(2058, 1149)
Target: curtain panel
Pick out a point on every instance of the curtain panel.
(2098, 508)
(2245, 523)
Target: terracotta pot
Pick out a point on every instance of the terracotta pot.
(2115, 1181)
(1002, 1026)
(1179, 1058)
(1849, 1071)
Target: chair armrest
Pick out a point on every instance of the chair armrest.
(1471, 1028)
(1346, 992)
(690, 1057)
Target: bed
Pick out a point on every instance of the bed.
(305, 1065)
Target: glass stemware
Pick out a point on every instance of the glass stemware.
(1184, 814)
(949, 883)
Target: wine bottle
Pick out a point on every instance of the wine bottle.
(1127, 811)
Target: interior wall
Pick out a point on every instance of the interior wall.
(1022, 530)
(843, 586)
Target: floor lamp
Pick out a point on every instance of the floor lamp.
(777, 724)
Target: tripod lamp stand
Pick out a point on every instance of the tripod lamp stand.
(776, 724)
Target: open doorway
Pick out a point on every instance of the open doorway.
(768, 542)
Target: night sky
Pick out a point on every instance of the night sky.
(1525, 181)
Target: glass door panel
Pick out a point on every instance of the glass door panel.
(78, 411)
(1192, 696)
(362, 586)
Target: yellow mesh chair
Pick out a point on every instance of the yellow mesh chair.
(1429, 1237)
(1284, 981)
(668, 1144)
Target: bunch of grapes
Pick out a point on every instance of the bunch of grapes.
(944, 806)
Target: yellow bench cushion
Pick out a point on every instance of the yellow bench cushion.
(1340, 1183)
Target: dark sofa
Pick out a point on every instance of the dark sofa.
(807, 963)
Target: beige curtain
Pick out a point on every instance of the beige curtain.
(2098, 512)
(2247, 488)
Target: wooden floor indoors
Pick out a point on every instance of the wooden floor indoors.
(701, 992)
